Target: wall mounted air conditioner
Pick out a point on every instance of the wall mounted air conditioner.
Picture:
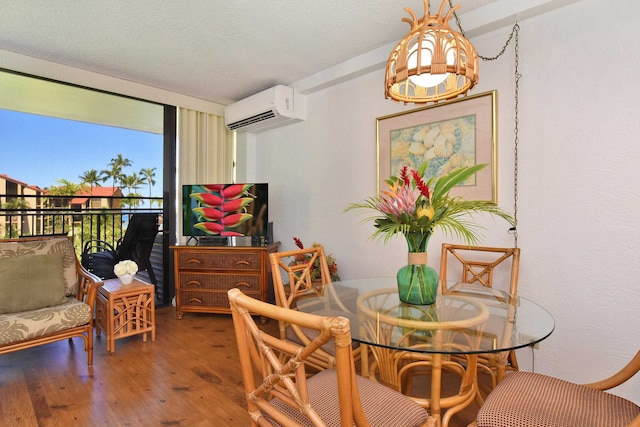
(268, 109)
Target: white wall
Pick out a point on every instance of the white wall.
(579, 230)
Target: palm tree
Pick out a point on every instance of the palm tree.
(149, 174)
(121, 162)
(17, 203)
(64, 193)
(115, 173)
(133, 182)
(132, 200)
(67, 188)
(91, 177)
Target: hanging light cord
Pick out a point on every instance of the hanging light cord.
(516, 137)
(515, 35)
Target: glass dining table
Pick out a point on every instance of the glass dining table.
(402, 339)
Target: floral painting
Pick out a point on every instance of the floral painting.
(445, 145)
(459, 133)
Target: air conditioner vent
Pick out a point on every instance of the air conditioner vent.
(251, 120)
(265, 110)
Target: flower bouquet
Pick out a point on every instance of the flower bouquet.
(125, 270)
(415, 209)
(315, 270)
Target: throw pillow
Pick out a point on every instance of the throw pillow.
(30, 282)
(47, 246)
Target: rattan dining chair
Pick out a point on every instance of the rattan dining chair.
(297, 266)
(398, 369)
(527, 399)
(413, 343)
(282, 392)
(479, 265)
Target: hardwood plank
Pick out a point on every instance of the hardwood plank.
(188, 377)
(15, 407)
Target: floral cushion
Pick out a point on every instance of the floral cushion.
(16, 327)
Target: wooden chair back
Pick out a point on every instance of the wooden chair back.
(277, 383)
(298, 266)
(307, 274)
(478, 264)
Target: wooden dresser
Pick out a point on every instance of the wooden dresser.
(204, 274)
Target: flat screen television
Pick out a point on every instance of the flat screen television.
(225, 209)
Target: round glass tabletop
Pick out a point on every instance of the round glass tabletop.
(466, 319)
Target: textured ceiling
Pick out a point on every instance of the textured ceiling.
(217, 50)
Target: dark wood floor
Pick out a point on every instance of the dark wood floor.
(188, 377)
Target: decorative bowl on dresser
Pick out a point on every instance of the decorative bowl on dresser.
(204, 274)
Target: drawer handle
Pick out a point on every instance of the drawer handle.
(192, 300)
(243, 284)
(243, 262)
(194, 261)
(194, 283)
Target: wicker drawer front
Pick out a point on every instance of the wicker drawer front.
(205, 299)
(245, 282)
(204, 274)
(193, 260)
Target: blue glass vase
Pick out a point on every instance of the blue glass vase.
(417, 282)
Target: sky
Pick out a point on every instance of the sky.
(41, 150)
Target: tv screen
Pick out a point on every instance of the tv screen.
(225, 209)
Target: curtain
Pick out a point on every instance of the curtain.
(205, 149)
(206, 152)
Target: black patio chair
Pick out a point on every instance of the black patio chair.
(99, 257)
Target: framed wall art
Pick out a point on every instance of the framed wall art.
(448, 136)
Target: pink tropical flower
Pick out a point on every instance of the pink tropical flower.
(222, 208)
(414, 207)
(235, 219)
(399, 199)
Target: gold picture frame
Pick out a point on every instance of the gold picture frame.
(459, 133)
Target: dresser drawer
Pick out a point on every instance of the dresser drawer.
(232, 260)
(204, 274)
(205, 299)
(219, 281)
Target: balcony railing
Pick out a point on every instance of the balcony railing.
(83, 224)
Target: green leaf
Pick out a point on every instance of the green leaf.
(453, 215)
(447, 182)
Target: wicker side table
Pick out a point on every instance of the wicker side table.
(125, 310)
